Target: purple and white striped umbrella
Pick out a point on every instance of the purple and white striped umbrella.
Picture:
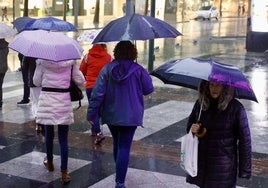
(46, 45)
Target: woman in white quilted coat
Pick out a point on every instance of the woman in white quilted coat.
(55, 108)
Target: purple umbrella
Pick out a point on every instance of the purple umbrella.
(136, 27)
(47, 45)
(188, 72)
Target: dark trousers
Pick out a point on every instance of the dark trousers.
(122, 141)
(2, 76)
(26, 88)
(63, 141)
(96, 127)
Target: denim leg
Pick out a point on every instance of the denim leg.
(2, 75)
(122, 137)
(96, 127)
(63, 140)
(49, 134)
(88, 92)
(114, 133)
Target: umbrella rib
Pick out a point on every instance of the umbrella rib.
(150, 25)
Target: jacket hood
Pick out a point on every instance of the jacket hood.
(52, 64)
(123, 69)
(97, 51)
(224, 99)
(3, 43)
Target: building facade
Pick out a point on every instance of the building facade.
(177, 10)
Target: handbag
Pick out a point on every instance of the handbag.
(75, 92)
(189, 154)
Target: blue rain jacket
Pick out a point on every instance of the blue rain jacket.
(118, 94)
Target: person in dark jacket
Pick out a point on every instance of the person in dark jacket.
(118, 93)
(224, 152)
(26, 88)
(3, 66)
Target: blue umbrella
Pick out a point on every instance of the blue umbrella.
(50, 24)
(136, 27)
(19, 23)
(188, 72)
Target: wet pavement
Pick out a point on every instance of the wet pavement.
(156, 148)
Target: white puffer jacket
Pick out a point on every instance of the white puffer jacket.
(55, 108)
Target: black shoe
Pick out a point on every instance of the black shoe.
(23, 103)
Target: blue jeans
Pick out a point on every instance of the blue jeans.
(122, 141)
(63, 141)
(96, 127)
(2, 76)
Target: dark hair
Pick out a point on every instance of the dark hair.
(100, 44)
(125, 50)
(103, 45)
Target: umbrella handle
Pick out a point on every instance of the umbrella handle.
(202, 134)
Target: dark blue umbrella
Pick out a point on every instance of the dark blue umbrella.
(188, 72)
(19, 23)
(50, 24)
(136, 27)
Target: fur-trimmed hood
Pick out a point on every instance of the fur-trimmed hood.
(224, 99)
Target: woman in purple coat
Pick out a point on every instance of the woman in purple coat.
(224, 152)
(118, 93)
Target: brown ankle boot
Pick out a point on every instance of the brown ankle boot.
(48, 164)
(65, 178)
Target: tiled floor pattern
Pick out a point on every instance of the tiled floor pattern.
(145, 179)
(173, 111)
(31, 166)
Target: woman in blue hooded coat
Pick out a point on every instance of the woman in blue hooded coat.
(224, 152)
(118, 94)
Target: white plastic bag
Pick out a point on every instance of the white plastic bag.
(189, 154)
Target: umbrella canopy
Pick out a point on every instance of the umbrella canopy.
(188, 72)
(6, 31)
(47, 45)
(88, 36)
(136, 27)
(19, 23)
(49, 24)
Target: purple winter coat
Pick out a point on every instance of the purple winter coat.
(118, 94)
(225, 149)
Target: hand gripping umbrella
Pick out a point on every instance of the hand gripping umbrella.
(53, 46)
(136, 27)
(188, 72)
